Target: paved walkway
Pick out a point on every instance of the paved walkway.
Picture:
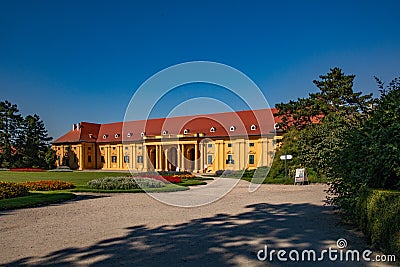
(137, 230)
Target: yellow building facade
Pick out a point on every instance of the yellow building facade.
(191, 143)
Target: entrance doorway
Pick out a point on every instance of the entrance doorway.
(191, 158)
(172, 159)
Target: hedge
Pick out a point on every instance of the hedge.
(378, 216)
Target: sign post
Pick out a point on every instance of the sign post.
(300, 176)
(285, 157)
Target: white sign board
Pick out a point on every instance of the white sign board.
(283, 157)
(300, 176)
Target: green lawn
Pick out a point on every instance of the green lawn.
(34, 199)
(78, 178)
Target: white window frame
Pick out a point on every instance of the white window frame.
(212, 130)
(253, 127)
(186, 131)
(232, 128)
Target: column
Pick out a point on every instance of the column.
(221, 156)
(201, 156)
(196, 155)
(179, 152)
(166, 160)
(262, 153)
(242, 154)
(108, 155)
(120, 150)
(81, 155)
(181, 158)
(216, 156)
(144, 157)
(132, 156)
(157, 158)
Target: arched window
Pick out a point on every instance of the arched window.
(164, 132)
(186, 131)
(212, 129)
(253, 127)
(105, 136)
(129, 134)
(116, 135)
(143, 134)
(232, 128)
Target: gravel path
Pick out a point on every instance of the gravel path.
(137, 230)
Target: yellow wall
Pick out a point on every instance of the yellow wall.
(78, 156)
(88, 155)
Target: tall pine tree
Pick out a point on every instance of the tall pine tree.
(24, 142)
(10, 121)
(35, 142)
(335, 96)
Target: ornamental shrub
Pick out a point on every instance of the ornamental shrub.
(10, 190)
(124, 183)
(48, 185)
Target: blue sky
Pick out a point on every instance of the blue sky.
(71, 61)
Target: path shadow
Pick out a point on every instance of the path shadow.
(220, 240)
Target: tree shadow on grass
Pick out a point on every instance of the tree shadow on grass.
(220, 240)
(75, 198)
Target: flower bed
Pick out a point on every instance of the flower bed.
(48, 185)
(164, 178)
(172, 177)
(124, 183)
(10, 190)
(26, 170)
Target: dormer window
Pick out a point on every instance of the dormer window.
(143, 134)
(253, 127)
(232, 128)
(186, 131)
(91, 136)
(164, 132)
(276, 126)
(129, 134)
(212, 130)
(116, 135)
(105, 136)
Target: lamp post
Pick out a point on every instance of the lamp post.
(285, 157)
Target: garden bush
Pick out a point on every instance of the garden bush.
(10, 190)
(378, 216)
(48, 185)
(124, 183)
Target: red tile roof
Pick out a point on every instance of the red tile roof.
(241, 121)
(85, 132)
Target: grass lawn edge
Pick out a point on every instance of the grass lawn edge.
(34, 199)
(168, 188)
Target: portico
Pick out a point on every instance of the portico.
(174, 152)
